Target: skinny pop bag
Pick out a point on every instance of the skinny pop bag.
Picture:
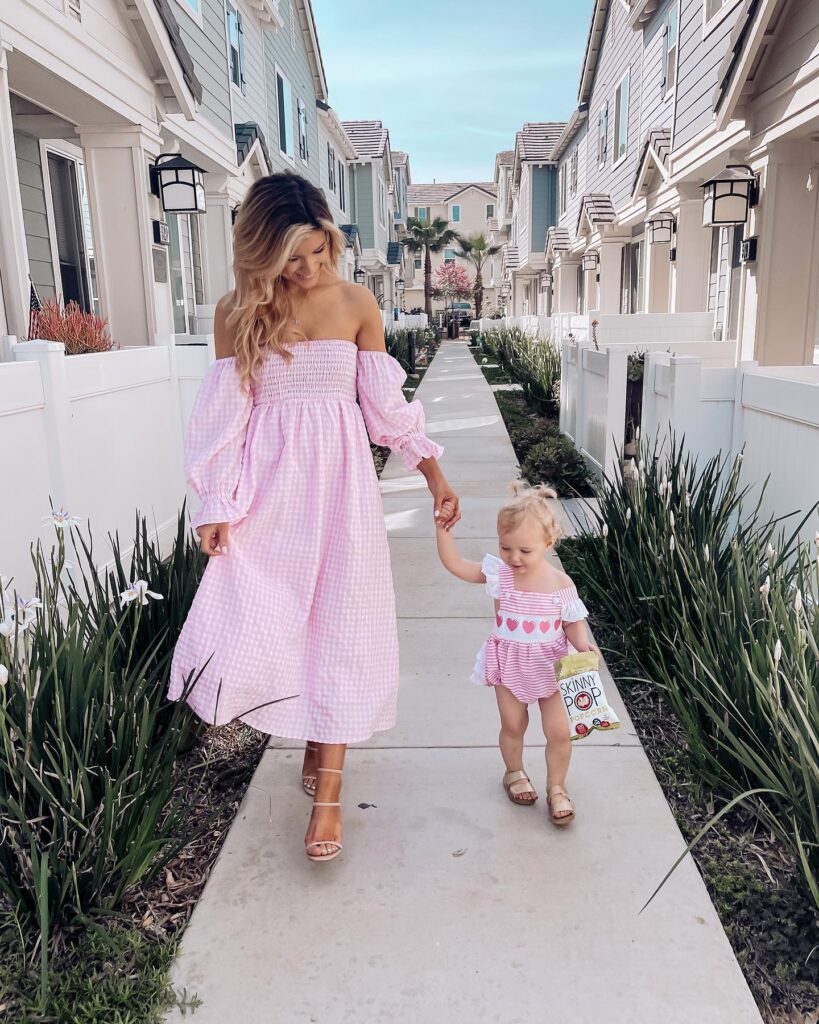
(583, 694)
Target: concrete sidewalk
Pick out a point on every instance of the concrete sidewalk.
(450, 904)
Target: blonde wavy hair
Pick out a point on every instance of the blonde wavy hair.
(534, 502)
(277, 214)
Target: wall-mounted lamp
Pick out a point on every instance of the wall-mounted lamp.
(661, 229)
(729, 195)
(178, 183)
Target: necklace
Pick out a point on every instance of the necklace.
(295, 316)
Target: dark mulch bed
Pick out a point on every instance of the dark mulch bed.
(757, 889)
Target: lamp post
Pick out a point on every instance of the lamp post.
(728, 196)
(178, 183)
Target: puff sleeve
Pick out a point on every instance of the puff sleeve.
(391, 420)
(491, 567)
(573, 608)
(215, 446)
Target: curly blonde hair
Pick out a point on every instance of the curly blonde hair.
(278, 213)
(534, 502)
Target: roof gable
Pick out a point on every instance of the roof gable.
(653, 162)
(752, 38)
(596, 208)
(369, 138)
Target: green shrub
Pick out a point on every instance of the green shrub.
(533, 362)
(527, 434)
(719, 608)
(88, 741)
(557, 462)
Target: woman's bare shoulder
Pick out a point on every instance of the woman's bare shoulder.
(222, 335)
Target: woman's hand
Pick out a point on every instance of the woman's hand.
(447, 505)
(213, 538)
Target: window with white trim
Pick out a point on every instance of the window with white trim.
(331, 168)
(301, 110)
(422, 213)
(713, 7)
(236, 46)
(621, 118)
(603, 135)
(632, 277)
(490, 210)
(342, 186)
(573, 173)
(561, 183)
(456, 213)
(284, 95)
(449, 256)
(382, 203)
(671, 36)
(417, 262)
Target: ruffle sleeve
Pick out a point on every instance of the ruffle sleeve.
(215, 445)
(392, 420)
(491, 567)
(573, 608)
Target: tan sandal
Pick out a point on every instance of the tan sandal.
(337, 847)
(516, 784)
(558, 792)
(309, 783)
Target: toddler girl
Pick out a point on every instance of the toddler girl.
(537, 615)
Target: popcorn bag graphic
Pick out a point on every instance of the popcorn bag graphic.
(583, 694)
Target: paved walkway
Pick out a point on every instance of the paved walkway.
(449, 904)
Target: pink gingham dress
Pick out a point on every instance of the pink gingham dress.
(527, 638)
(302, 605)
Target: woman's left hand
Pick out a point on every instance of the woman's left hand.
(447, 505)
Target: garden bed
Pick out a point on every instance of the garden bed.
(753, 881)
(530, 414)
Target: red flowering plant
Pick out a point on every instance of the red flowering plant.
(80, 332)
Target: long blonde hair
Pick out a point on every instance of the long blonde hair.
(277, 214)
(530, 501)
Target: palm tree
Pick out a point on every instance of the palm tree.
(428, 237)
(477, 251)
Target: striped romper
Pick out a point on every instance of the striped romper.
(527, 638)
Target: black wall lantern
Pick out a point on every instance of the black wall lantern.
(661, 229)
(359, 275)
(728, 196)
(590, 260)
(178, 183)
(400, 284)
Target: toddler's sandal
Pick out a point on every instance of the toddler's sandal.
(516, 784)
(557, 795)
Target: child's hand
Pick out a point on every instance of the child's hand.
(446, 513)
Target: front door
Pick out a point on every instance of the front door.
(69, 226)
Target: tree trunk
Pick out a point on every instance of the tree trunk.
(478, 291)
(428, 283)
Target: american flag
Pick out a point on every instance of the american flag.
(34, 307)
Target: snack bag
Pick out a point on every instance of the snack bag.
(583, 694)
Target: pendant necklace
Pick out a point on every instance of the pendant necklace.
(295, 316)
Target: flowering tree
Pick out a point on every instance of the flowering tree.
(452, 283)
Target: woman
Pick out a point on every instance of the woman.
(293, 626)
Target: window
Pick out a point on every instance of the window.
(331, 167)
(302, 116)
(632, 280)
(422, 212)
(603, 135)
(562, 189)
(713, 7)
(342, 186)
(456, 213)
(621, 119)
(382, 203)
(490, 210)
(573, 173)
(671, 34)
(581, 291)
(73, 255)
(285, 100)
(236, 46)
(417, 263)
(725, 274)
(193, 4)
(449, 256)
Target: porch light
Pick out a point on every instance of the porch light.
(179, 184)
(547, 280)
(728, 196)
(590, 260)
(661, 229)
(400, 284)
(359, 275)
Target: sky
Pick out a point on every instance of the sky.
(453, 80)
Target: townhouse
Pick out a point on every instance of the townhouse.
(96, 95)
(687, 174)
(469, 207)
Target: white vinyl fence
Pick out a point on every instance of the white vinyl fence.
(99, 435)
(538, 326)
(769, 413)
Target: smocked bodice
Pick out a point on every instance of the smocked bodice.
(319, 371)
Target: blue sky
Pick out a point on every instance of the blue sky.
(453, 79)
